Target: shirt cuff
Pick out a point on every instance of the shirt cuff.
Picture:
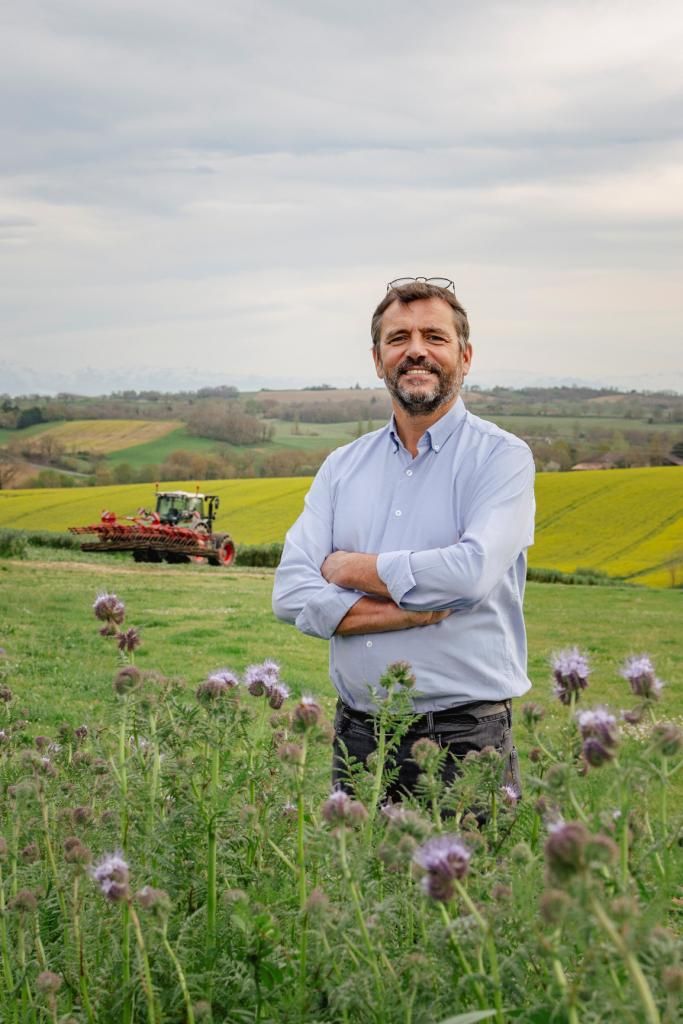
(323, 613)
(395, 572)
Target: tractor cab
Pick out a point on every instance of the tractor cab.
(182, 508)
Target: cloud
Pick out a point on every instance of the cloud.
(238, 180)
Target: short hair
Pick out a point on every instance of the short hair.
(411, 292)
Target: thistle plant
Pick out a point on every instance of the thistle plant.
(268, 897)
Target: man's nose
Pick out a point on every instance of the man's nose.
(416, 345)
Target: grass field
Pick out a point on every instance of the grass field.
(196, 619)
(626, 523)
(156, 451)
(99, 437)
(245, 892)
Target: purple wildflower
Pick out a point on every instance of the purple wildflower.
(595, 753)
(667, 739)
(640, 673)
(108, 608)
(443, 859)
(48, 983)
(600, 723)
(340, 809)
(111, 874)
(307, 713)
(129, 640)
(600, 735)
(217, 685)
(565, 848)
(571, 671)
(335, 808)
(259, 679)
(278, 695)
(509, 794)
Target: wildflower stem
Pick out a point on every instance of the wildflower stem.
(146, 973)
(4, 941)
(371, 951)
(455, 944)
(301, 861)
(122, 772)
(632, 965)
(490, 946)
(561, 978)
(211, 903)
(181, 975)
(380, 755)
(44, 812)
(80, 956)
(154, 777)
(541, 746)
(125, 964)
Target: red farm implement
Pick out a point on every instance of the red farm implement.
(179, 530)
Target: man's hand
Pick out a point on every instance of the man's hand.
(354, 571)
(373, 615)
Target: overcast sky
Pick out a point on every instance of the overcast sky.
(218, 191)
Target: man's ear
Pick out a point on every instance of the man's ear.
(467, 359)
(378, 363)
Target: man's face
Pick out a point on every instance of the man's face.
(419, 357)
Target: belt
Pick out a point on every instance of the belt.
(474, 709)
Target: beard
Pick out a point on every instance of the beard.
(419, 403)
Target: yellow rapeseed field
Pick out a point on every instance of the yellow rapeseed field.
(99, 437)
(626, 522)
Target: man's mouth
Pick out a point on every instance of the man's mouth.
(417, 372)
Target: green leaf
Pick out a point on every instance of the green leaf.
(471, 1017)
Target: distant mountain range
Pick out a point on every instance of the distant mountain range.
(22, 380)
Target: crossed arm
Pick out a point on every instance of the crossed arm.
(373, 614)
(346, 592)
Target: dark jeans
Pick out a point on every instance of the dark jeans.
(473, 727)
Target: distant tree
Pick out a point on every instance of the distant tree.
(8, 472)
(29, 417)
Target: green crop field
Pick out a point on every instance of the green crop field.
(626, 523)
(154, 452)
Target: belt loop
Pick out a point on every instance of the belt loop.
(508, 708)
(430, 724)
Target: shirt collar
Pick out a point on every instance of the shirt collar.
(439, 432)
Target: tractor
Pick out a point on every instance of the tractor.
(178, 530)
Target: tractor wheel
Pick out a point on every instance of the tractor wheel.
(146, 555)
(224, 553)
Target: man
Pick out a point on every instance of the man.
(412, 547)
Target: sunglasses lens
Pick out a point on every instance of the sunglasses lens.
(438, 282)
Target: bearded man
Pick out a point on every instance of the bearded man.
(412, 547)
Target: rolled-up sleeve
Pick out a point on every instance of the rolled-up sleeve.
(498, 528)
(301, 595)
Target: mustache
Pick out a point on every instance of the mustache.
(421, 364)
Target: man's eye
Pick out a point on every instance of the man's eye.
(438, 338)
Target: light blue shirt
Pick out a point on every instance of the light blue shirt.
(451, 528)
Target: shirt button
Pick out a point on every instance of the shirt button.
(368, 643)
(398, 512)
(436, 447)
(409, 472)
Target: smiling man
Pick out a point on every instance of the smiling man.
(412, 547)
